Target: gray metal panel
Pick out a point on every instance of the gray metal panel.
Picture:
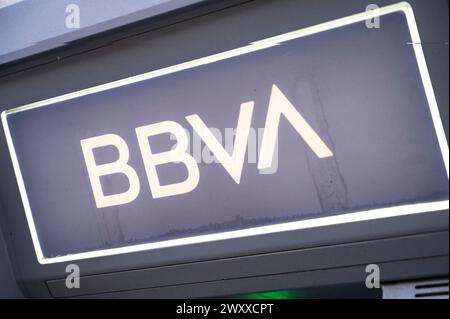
(211, 33)
(335, 256)
(329, 279)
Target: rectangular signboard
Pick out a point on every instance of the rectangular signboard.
(331, 124)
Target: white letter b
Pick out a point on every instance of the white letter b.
(119, 166)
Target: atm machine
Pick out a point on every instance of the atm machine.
(224, 149)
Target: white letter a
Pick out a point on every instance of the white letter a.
(279, 104)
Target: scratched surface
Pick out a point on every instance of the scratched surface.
(358, 88)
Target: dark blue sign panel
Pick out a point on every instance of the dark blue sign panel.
(332, 124)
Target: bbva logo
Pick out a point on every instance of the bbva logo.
(232, 163)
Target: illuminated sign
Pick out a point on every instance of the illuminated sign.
(302, 130)
(278, 105)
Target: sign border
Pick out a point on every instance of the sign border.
(283, 227)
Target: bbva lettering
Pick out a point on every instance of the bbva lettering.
(232, 163)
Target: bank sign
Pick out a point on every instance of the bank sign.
(331, 124)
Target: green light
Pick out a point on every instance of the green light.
(281, 294)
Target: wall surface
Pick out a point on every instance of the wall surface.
(8, 284)
(33, 26)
